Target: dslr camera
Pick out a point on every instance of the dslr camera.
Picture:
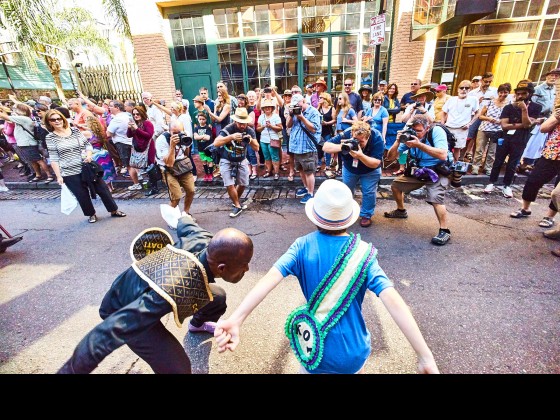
(460, 167)
(246, 139)
(267, 90)
(295, 110)
(406, 135)
(418, 105)
(185, 140)
(348, 145)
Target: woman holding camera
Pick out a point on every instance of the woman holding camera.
(141, 130)
(361, 159)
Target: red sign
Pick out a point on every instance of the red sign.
(377, 30)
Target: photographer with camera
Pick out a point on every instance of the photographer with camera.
(234, 166)
(423, 158)
(172, 151)
(361, 161)
(305, 135)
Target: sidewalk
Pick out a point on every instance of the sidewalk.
(15, 181)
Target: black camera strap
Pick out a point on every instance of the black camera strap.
(317, 147)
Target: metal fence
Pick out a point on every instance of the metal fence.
(114, 81)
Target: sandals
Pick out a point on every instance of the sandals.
(253, 176)
(276, 177)
(266, 175)
(546, 222)
(118, 213)
(291, 178)
(283, 168)
(518, 214)
(36, 179)
(397, 173)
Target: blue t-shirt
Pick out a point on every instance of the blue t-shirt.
(374, 148)
(348, 343)
(439, 139)
(377, 121)
(344, 125)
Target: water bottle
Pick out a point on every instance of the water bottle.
(145, 185)
(500, 141)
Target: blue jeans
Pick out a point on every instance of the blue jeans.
(252, 156)
(369, 184)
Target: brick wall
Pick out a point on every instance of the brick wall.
(154, 63)
(409, 60)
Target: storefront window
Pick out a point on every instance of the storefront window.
(285, 64)
(517, 8)
(316, 59)
(231, 67)
(547, 51)
(225, 23)
(343, 60)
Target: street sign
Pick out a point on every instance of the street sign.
(377, 30)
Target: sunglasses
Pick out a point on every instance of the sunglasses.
(135, 113)
(377, 100)
(413, 84)
(55, 119)
(347, 84)
(464, 87)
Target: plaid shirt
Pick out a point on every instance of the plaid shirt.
(300, 142)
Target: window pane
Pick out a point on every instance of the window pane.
(186, 22)
(504, 10)
(219, 16)
(535, 72)
(191, 52)
(188, 36)
(177, 38)
(202, 52)
(535, 8)
(174, 23)
(553, 7)
(520, 8)
(547, 29)
(553, 51)
(198, 22)
(180, 54)
(199, 37)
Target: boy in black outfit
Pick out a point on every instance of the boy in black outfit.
(203, 135)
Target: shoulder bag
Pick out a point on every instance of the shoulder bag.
(139, 160)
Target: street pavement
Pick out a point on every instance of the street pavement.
(486, 303)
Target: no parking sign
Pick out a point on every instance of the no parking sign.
(377, 30)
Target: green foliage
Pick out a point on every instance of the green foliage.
(116, 12)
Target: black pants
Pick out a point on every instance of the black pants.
(543, 172)
(514, 149)
(81, 191)
(131, 312)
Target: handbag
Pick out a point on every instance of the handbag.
(277, 143)
(139, 160)
(180, 167)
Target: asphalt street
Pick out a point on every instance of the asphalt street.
(486, 303)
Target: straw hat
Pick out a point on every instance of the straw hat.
(332, 207)
(429, 94)
(267, 103)
(321, 81)
(241, 116)
(198, 98)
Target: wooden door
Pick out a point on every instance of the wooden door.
(509, 63)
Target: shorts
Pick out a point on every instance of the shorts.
(243, 172)
(435, 190)
(124, 153)
(306, 162)
(461, 136)
(270, 153)
(204, 158)
(174, 183)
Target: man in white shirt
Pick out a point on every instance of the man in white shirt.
(117, 130)
(156, 117)
(459, 113)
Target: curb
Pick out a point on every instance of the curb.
(258, 182)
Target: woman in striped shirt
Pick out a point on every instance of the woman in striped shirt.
(68, 149)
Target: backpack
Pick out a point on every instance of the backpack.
(451, 140)
(37, 131)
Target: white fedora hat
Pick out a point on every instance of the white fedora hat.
(332, 207)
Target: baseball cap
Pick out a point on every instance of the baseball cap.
(525, 84)
(383, 82)
(477, 78)
(296, 99)
(288, 92)
(439, 88)
(309, 86)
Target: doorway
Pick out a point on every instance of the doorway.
(509, 63)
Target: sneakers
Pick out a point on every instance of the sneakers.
(123, 170)
(208, 327)
(518, 214)
(441, 238)
(301, 192)
(243, 206)
(92, 219)
(507, 192)
(236, 211)
(365, 222)
(396, 214)
(306, 198)
(489, 188)
(135, 187)
(152, 192)
(184, 213)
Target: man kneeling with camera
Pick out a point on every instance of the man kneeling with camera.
(423, 162)
(233, 141)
